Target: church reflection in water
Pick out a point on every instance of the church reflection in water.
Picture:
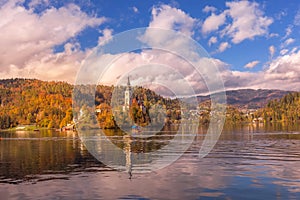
(127, 150)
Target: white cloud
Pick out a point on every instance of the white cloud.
(281, 73)
(106, 36)
(34, 3)
(135, 9)
(223, 46)
(213, 22)
(48, 66)
(285, 70)
(297, 18)
(212, 40)
(27, 39)
(272, 51)
(208, 9)
(164, 18)
(281, 14)
(167, 17)
(294, 50)
(289, 41)
(156, 66)
(283, 51)
(248, 21)
(288, 31)
(273, 35)
(244, 19)
(252, 64)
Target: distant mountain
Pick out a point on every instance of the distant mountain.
(249, 98)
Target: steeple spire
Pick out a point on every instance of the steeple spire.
(128, 82)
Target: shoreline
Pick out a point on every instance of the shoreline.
(26, 128)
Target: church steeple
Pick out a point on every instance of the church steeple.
(127, 96)
(128, 82)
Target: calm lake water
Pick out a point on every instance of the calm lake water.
(248, 162)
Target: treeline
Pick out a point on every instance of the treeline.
(31, 101)
(232, 116)
(286, 109)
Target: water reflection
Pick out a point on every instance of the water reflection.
(24, 155)
(248, 162)
(115, 148)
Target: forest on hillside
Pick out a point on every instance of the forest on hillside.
(286, 109)
(31, 101)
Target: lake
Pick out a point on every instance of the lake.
(248, 162)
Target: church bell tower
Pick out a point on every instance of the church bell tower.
(127, 96)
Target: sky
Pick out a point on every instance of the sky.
(255, 44)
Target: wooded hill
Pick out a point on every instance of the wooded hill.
(31, 101)
(286, 109)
